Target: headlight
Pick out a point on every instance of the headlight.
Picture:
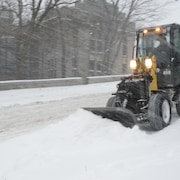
(133, 64)
(148, 63)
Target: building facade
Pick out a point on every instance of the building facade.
(88, 39)
(91, 42)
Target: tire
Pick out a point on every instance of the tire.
(111, 102)
(159, 111)
(178, 108)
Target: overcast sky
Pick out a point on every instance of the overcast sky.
(170, 13)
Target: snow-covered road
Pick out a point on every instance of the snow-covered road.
(18, 119)
(45, 135)
(30, 109)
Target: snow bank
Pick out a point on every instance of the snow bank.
(85, 147)
(26, 96)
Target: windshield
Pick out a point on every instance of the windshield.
(148, 42)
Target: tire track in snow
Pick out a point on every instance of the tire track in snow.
(19, 119)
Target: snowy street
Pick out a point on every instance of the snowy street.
(45, 135)
(22, 118)
(26, 110)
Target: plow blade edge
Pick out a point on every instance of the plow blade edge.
(122, 115)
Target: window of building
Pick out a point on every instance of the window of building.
(92, 45)
(99, 46)
(51, 68)
(74, 72)
(99, 35)
(124, 46)
(95, 42)
(91, 64)
(95, 45)
(124, 50)
(74, 66)
(91, 73)
(124, 68)
(74, 62)
(99, 66)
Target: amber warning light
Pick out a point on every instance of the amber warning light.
(158, 29)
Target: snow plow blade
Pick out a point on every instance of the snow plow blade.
(122, 115)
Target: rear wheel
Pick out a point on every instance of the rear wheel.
(111, 102)
(178, 108)
(159, 111)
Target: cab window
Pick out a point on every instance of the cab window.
(177, 44)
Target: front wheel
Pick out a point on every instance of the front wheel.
(159, 111)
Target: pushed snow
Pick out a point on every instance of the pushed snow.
(73, 144)
(84, 146)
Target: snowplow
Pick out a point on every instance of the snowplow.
(146, 97)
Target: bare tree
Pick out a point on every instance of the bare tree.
(123, 13)
(6, 41)
(29, 17)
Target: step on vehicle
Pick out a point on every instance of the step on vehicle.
(146, 97)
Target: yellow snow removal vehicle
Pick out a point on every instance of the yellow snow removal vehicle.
(146, 97)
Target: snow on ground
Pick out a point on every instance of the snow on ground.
(80, 145)
(46, 135)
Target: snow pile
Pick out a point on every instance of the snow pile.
(85, 147)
